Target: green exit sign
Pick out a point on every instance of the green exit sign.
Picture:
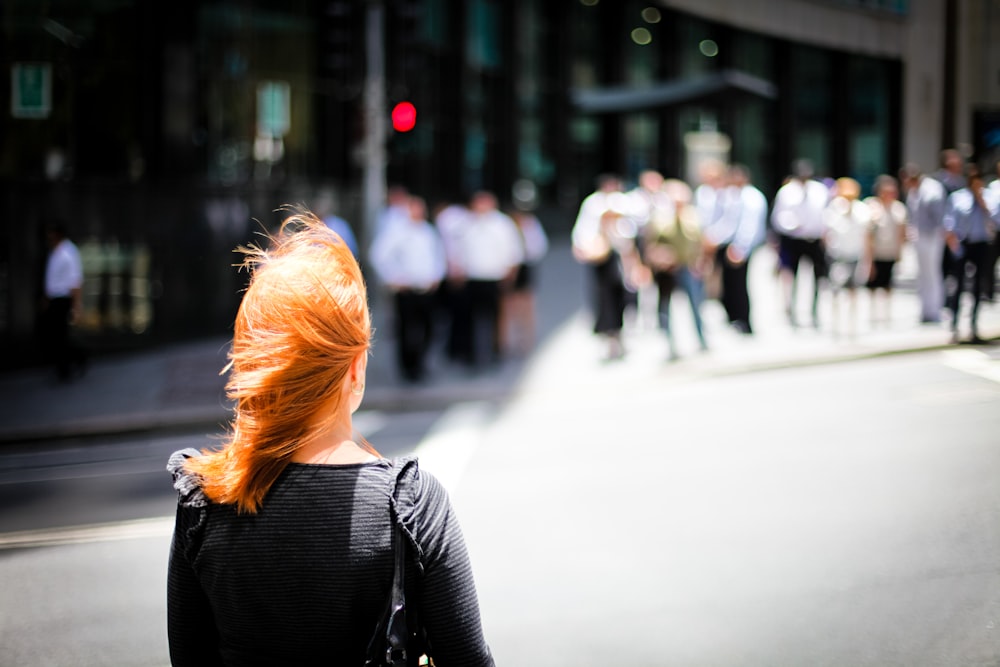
(31, 90)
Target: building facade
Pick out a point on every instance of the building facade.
(165, 136)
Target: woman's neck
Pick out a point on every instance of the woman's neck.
(334, 445)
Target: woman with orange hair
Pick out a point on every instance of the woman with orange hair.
(283, 546)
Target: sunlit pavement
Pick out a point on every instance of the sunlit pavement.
(756, 504)
(644, 512)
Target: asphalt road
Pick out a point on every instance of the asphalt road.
(837, 515)
(617, 515)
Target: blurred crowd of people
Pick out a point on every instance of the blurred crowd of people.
(665, 235)
(465, 270)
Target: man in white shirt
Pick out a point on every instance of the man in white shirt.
(648, 202)
(396, 208)
(925, 199)
(450, 219)
(63, 300)
(487, 252)
(732, 235)
(797, 218)
(409, 258)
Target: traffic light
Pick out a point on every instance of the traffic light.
(404, 117)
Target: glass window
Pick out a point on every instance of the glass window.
(641, 140)
(645, 35)
(245, 50)
(754, 54)
(435, 25)
(532, 161)
(753, 140)
(587, 44)
(900, 7)
(697, 51)
(483, 49)
(868, 122)
(812, 83)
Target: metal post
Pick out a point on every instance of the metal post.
(374, 159)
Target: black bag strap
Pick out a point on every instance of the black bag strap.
(387, 647)
(396, 631)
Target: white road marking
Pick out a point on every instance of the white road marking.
(104, 532)
(446, 450)
(973, 362)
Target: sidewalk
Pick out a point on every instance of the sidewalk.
(180, 386)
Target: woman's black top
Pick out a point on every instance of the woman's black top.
(305, 579)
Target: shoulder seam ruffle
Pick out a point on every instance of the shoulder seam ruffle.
(188, 485)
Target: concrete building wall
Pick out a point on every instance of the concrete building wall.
(923, 85)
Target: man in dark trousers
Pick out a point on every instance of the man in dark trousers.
(63, 298)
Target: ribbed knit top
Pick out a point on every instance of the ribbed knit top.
(305, 579)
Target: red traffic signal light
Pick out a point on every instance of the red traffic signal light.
(404, 117)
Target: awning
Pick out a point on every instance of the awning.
(620, 99)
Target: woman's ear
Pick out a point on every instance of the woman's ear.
(356, 380)
(359, 368)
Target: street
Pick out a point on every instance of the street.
(838, 515)
(634, 514)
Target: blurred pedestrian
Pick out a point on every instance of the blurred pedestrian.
(710, 200)
(951, 175)
(989, 285)
(732, 236)
(886, 239)
(517, 308)
(396, 207)
(283, 548)
(410, 261)
(450, 218)
(970, 222)
(599, 242)
(670, 245)
(487, 253)
(797, 217)
(925, 199)
(326, 210)
(646, 201)
(848, 221)
(951, 172)
(63, 304)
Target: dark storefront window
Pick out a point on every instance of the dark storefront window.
(592, 60)
(868, 119)
(535, 165)
(258, 69)
(644, 39)
(75, 152)
(697, 47)
(811, 94)
(484, 49)
(751, 119)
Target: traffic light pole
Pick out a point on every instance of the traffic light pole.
(374, 159)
